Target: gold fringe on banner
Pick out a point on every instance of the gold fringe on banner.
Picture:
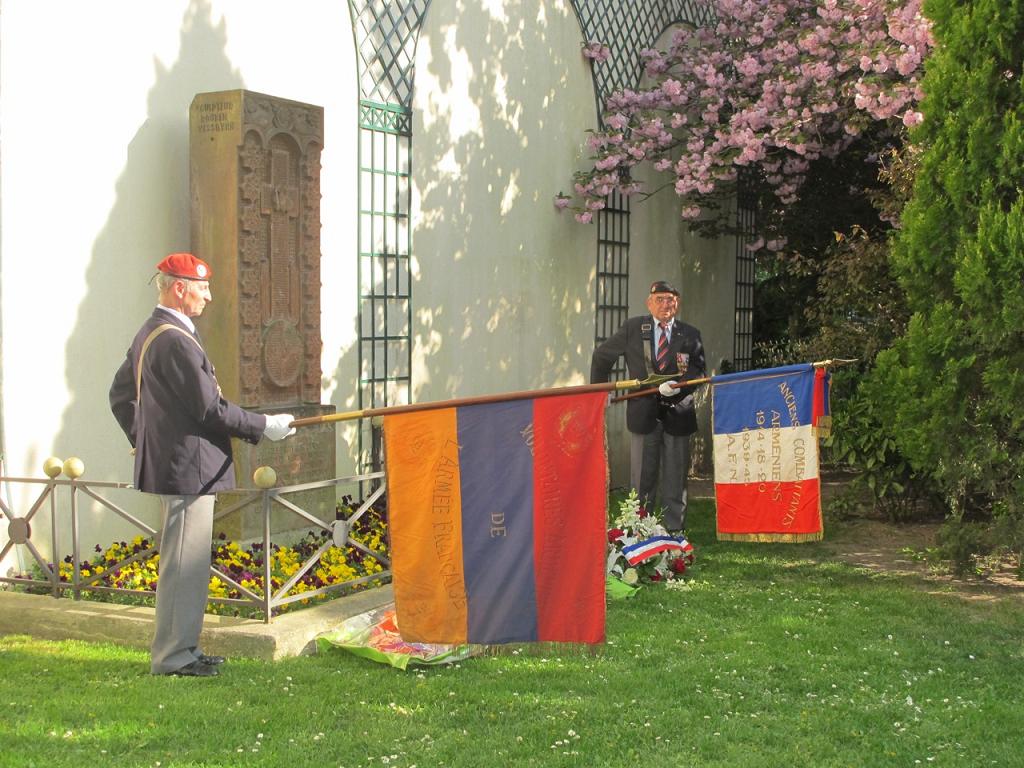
(773, 538)
(543, 649)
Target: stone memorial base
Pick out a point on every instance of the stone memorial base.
(308, 456)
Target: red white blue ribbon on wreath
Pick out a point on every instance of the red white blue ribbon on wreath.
(643, 550)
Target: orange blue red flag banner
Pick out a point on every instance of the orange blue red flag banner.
(497, 518)
(765, 427)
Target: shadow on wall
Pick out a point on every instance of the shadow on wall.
(345, 381)
(149, 219)
(504, 294)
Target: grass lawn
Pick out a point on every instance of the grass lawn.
(774, 655)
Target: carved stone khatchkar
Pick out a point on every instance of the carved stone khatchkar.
(255, 171)
(255, 186)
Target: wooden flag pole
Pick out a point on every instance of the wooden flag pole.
(525, 395)
(653, 390)
(478, 400)
(709, 379)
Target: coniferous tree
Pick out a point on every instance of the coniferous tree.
(954, 384)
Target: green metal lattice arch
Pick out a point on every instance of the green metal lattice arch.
(386, 33)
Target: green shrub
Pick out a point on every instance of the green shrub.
(963, 543)
(862, 442)
(952, 386)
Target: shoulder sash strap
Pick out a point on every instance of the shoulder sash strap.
(648, 341)
(145, 345)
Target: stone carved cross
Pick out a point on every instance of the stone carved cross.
(259, 166)
(280, 201)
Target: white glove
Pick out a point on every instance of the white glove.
(277, 426)
(667, 390)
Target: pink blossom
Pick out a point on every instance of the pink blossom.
(562, 201)
(608, 162)
(773, 84)
(616, 122)
(654, 62)
(584, 218)
(596, 51)
(749, 67)
(912, 118)
(652, 128)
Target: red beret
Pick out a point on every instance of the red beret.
(185, 265)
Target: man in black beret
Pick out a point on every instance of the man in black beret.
(166, 398)
(660, 425)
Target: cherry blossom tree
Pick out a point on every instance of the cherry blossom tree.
(769, 89)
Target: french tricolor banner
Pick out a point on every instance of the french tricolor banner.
(648, 548)
(765, 426)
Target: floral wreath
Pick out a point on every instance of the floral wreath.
(640, 550)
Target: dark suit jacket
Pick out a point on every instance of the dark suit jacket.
(182, 431)
(643, 413)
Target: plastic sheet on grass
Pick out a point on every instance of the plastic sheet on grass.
(617, 589)
(374, 635)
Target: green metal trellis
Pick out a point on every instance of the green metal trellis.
(386, 33)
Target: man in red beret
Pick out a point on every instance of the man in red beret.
(166, 398)
(658, 343)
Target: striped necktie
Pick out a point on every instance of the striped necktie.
(662, 358)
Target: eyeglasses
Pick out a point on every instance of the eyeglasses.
(665, 299)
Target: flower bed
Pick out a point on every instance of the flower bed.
(244, 564)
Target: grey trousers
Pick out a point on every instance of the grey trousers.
(183, 582)
(660, 455)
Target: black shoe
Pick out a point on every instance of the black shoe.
(196, 669)
(211, 661)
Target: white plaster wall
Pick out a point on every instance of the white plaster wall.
(94, 104)
(503, 285)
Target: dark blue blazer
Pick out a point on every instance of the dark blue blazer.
(643, 413)
(183, 427)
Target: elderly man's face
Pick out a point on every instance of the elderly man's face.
(663, 306)
(196, 297)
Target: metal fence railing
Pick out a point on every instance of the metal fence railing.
(63, 512)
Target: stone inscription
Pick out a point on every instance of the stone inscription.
(217, 116)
